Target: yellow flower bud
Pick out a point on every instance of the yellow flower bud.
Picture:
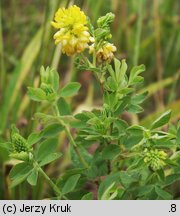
(105, 53)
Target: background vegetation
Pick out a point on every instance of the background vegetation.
(144, 32)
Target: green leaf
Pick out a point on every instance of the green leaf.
(110, 152)
(162, 120)
(70, 89)
(54, 79)
(117, 65)
(90, 26)
(178, 136)
(47, 147)
(19, 173)
(107, 183)
(101, 33)
(32, 178)
(127, 178)
(36, 94)
(171, 179)
(110, 84)
(63, 178)
(136, 130)
(88, 196)
(111, 71)
(50, 158)
(92, 137)
(174, 106)
(4, 154)
(70, 184)
(122, 105)
(163, 194)
(110, 193)
(33, 138)
(110, 99)
(133, 139)
(85, 116)
(121, 125)
(50, 76)
(51, 130)
(69, 119)
(134, 78)
(63, 106)
(135, 108)
(137, 163)
(46, 119)
(139, 98)
(6, 145)
(125, 91)
(144, 190)
(161, 174)
(120, 72)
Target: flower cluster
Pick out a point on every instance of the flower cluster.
(72, 31)
(20, 148)
(155, 158)
(105, 53)
(19, 143)
(74, 35)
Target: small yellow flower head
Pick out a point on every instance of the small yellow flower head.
(72, 31)
(105, 53)
(155, 159)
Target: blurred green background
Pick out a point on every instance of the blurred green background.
(144, 32)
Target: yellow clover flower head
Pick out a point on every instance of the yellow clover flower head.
(106, 53)
(72, 31)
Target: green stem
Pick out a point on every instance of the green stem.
(50, 182)
(68, 133)
(109, 162)
(94, 58)
(96, 74)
